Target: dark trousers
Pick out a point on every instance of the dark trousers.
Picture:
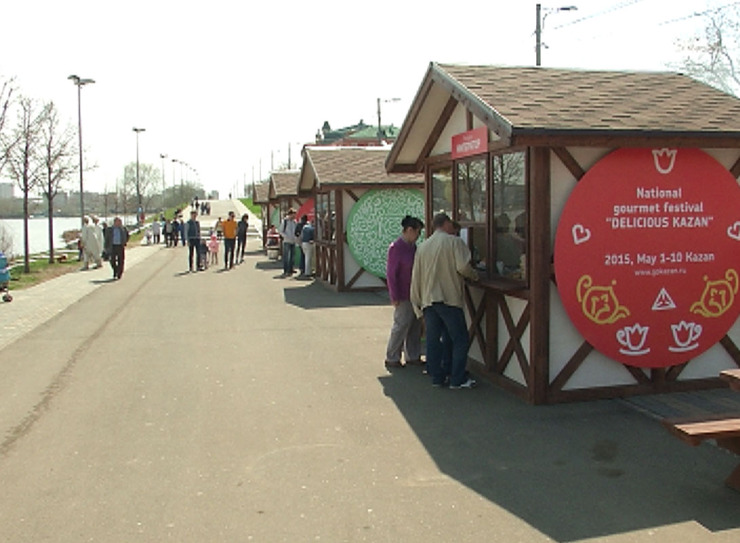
(241, 246)
(229, 246)
(448, 321)
(116, 260)
(193, 249)
(288, 258)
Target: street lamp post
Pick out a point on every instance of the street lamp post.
(80, 82)
(163, 156)
(138, 185)
(380, 130)
(540, 25)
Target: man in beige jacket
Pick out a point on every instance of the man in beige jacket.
(441, 265)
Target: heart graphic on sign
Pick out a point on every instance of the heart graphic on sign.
(734, 231)
(581, 234)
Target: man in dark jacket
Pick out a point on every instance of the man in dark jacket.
(192, 231)
(116, 238)
(241, 238)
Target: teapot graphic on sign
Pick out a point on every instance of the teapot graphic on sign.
(718, 296)
(599, 303)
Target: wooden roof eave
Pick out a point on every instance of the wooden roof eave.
(496, 122)
(459, 94)
(546, 137)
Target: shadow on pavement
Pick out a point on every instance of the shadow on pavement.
(102, 281)
(317, 296)
(572, 471)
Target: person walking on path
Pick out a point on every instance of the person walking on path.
(116, 238)
(299, 243)
(229, 228)
(442, 263)
(193, 232)
(156, 231)
(91, 247)
(241, 237)
(287, 232)
(183, 234)
(406, 330)
(307, 246)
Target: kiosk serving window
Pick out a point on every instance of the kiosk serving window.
(325, 216)
(508, 173)
(471, 179)
(442, 190)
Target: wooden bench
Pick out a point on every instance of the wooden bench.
(725, 430)
(732, 377)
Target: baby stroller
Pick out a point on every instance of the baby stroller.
(4, 278)
(202, 255)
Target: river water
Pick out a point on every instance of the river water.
(38, 232)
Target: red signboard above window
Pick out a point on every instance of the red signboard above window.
(647, 255)
(472, 142)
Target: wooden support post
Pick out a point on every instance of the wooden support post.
(539, 257)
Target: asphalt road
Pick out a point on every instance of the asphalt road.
(233, 406)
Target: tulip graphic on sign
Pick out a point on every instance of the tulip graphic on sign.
(599, 303)
(632, 339)
(685, 335)
(665, 160)
(718, 296)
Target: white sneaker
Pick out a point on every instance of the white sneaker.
(470, 383)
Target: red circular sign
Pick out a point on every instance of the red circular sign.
(647, 255)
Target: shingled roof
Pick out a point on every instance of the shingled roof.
(350, 166)
(557, 99)
(284, 183)
(261, 193)
(524, 106)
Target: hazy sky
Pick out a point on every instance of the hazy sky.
(222, 85)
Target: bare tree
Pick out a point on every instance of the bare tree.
(712, 56)
(146, 187)
(24, 161)
(58, 151)
(6, 100)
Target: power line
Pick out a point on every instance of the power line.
(616, 7)
(698, 14)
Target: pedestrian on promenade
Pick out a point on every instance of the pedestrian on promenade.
(241, 237)
(91, 248)
(193, 233)
(299, 243)
(307, 246)
(116, 238)
(156, 230)
(229, 228)
(168, 227)
(183, 233)
(406, 329)
(219, 228)
(287, 232)
(213, 245)
(442, 263)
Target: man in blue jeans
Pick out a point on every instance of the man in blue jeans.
(441, 265)
(287, 232)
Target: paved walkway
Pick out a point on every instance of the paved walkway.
(32, 307)
(294, 431)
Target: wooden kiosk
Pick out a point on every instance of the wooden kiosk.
(261, 197)
(572, 188)
(359, 208)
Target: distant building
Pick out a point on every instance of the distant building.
(6, 190)
(358, 135)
